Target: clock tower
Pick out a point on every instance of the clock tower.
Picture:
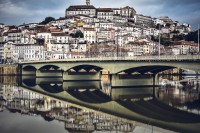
(87, 2)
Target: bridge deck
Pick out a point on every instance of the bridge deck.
(135, 58)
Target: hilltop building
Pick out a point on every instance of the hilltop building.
(101, 13)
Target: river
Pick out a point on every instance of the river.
(51, 105)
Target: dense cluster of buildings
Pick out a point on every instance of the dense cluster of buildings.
(87, 31)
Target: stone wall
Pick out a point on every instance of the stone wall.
(8, 70)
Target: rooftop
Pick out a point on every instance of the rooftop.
(75, 7)
(105, 10)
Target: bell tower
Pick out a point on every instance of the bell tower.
(87, 2)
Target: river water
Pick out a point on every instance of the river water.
(45, 105)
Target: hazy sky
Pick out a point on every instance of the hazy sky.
(15, 12)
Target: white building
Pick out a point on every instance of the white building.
(59, 22)
(105, 35)
(1, 52)
(104, 25)
(1, 25)
(105, 13)
(117, 11)
(28, 52)
(90, 20)
(128, 12)
(28, 38)
(81, 9)
(119, 19)
(5, 37)
(186, 47)
(141, 19)
(176, 51)
(90, 35)
(60, 37)
(44, 35)
(15, 36)
(158, 21)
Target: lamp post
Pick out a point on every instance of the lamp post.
(117, 44)
(198, 39)
(63, 51)
(159, 43)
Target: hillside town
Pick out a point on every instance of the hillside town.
(86, 31)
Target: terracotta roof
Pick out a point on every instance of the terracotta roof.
(14, 31)
(74, 8)
(185, 43)
(59, 34)
(30, 33)
(89, 29)
(55, 30)
(26, 45)
(105, 10)
(78, 53)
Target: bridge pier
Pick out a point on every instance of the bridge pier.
(67, 85)
(121, 80)
(48, 80)
(28, 73)
(49, 73)
(81, 76)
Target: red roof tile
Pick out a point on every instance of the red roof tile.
(74, 8)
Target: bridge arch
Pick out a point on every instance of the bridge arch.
(90, 96)
(153, 69)
(52, 88)
(29, 68)
(85, 68)
(30, 82)
(49, 67)
(115, 66)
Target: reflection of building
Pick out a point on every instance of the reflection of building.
(11, 80)
(84, 121)
(177, 95)
(75, 119)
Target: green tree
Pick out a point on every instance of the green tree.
(78, 34)
(178, 37)
(193, 36)
(47, 20)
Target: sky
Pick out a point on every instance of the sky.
(16, 12)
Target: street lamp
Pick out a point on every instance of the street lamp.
(159, 43)
(63, 51)
(198, 39)
(117, 44)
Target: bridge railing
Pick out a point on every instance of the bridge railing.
(134, 58)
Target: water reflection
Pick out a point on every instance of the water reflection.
(95, 106)
(17, 100)
(181, 92)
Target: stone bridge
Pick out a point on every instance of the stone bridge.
(119, 68)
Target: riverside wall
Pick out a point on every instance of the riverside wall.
(8, 69)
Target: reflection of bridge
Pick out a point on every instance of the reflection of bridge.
(151, 111)
(90, 69)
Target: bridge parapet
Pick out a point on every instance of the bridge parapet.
(114, 65)
(135, 58)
